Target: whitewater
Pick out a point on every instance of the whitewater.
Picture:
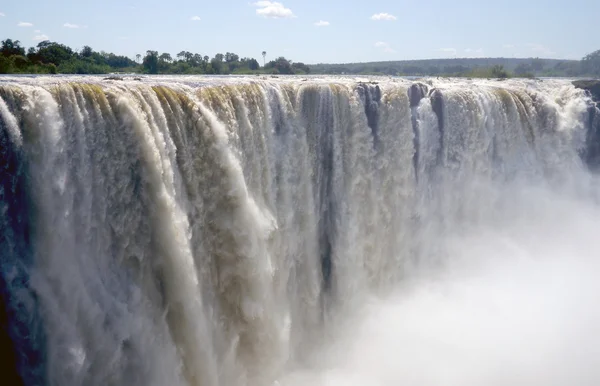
(261, 231)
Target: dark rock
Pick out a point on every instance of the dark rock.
(437, 104)
(416, 92)
(21, 336)
(371, 96)
(591, 154)
(592, 86)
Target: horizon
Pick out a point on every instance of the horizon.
(381, 31)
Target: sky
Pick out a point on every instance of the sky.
(311, 31)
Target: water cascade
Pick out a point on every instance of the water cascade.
(224, 231)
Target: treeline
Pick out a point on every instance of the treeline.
(228, 63)
(55, 58)
(471, 67)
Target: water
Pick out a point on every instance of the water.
(330, 231)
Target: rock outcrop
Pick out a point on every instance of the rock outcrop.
(592, 151)
(592, 86)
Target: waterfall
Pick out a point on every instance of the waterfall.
(198, 231)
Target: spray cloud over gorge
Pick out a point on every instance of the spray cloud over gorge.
(326, 231)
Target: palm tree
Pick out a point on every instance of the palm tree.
(138, 57)
(264, 53)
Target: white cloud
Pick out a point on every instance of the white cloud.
(195, 18)
(322, 23)
(273, 10)
(448, 50)
(383, 16)
(540, 49)
(41, 37)
(2, 14)
(24, 24)
(69, 25)
(37, 31)
(385, 47)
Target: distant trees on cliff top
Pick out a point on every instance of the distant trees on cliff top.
(471, 67)
(51, 57)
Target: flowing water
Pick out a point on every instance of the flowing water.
(322, 231)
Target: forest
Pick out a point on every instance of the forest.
(55, 58)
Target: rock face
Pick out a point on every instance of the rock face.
(593, 86)
(592, 151)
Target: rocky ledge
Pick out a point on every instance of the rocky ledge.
(592, 86)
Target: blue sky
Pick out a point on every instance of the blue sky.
(313, 31)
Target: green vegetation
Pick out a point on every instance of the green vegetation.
(471, 67)
(52, 58)
(55, 58)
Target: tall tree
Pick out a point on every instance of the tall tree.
(151, 62)
(138, 57)
(230, 57)
(86, 52)
(264, 54)
(50, 52)
(12, 47)
(165, 57)
(591, 63)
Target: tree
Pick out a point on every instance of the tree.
(138, 57)
(303, 68)
(231, 57)
(216, 65)
(253, 64)
(151, 62)
(165, 57)
(12, 47)
(55, 53)
(197, 60)
(118, 61)
(264, 54)
(591, 63)
(86, 52)
(44, 43)
(280, 66)
(498, 71)
(219, 57)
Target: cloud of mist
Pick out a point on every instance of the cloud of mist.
(515, 303)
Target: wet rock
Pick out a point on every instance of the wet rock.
(437, 105)
(591, 154)
(416, 92)
(591, 86)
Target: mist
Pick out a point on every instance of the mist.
(512, 302)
